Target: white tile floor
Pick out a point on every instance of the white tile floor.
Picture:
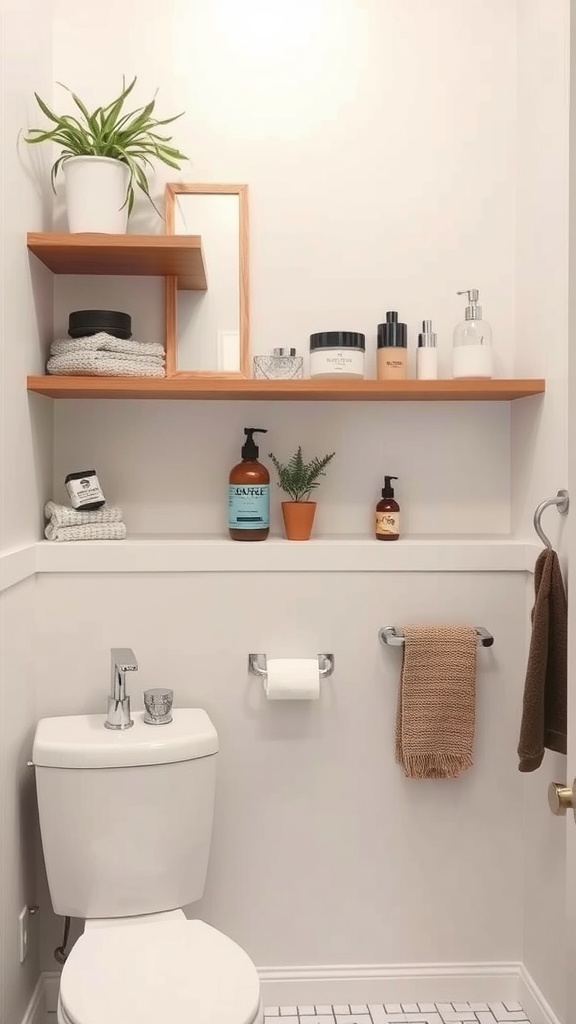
(398, 1013)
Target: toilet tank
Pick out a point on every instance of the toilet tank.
(125, 816)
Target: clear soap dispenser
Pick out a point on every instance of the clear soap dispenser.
(472, 352)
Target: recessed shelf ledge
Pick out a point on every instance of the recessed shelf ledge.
(328, 554)
(191, 553)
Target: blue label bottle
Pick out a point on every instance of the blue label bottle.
(249, 493)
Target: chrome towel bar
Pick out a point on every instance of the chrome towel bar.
(562, 502)
(395, 638)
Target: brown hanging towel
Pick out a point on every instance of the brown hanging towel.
(436, 701)
(544, 712)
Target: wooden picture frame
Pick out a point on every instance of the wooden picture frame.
(173, 190)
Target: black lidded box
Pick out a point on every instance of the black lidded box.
(84, 322)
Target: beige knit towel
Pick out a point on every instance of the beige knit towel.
(436, 701)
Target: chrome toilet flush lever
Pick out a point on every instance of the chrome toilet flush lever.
(118, 715)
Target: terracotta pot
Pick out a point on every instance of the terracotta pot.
(298, 519)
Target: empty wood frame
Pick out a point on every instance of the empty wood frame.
(207, 329)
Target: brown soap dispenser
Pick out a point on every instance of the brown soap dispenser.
(249, 493)
(388, 513)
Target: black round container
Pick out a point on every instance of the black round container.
(337, 339)
(84, 322)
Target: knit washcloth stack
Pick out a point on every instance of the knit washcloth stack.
(102, 355)
(66, 523)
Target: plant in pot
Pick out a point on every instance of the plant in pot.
(104, 155)
(298, 479)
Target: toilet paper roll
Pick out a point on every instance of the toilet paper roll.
(292, 679)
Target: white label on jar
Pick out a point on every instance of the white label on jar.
(335, 361)
(387, 523)
(84, 491)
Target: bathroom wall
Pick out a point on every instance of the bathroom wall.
(18, 835)
(369, 149)
(370, 135)
(322, 853)
(570, 952)
(539, 436)
(25, 469)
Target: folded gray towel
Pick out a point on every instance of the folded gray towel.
(103, 342)
(91, 531)
(104, 364)
(63, 515)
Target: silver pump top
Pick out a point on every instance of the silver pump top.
(283, 351)
(427, 339)
(473, 311)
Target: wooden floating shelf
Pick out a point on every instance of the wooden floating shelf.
(287, 390)
(177, 256)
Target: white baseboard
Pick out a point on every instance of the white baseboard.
(51, 988)
(395, 983)
(36, 1007)
(372, 983)
(537, 1008)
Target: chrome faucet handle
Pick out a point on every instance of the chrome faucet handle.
(118, 714)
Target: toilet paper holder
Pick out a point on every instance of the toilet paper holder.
(257, 665)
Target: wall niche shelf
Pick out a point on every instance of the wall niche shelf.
(178, 256)
(288, 390)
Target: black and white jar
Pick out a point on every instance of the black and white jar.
(337, 355)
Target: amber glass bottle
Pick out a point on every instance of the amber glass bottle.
(388, 513)
(249, 493)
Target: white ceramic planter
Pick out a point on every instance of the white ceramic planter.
(95, 193)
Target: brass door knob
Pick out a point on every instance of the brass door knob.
(560, 798)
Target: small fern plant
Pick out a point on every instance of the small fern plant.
(298, 478)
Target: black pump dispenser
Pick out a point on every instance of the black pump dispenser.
(388, 490)
(250, 449)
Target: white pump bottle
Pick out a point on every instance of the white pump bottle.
(472, 352)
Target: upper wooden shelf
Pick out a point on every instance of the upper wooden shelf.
(177, 256)
(296, 390)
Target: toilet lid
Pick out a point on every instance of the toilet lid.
(163, 972)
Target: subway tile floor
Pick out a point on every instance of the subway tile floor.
(398, 1013)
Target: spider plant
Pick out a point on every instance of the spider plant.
(298, 478)
(130, 137)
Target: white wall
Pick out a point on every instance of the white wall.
(18, 836)
(323, 853)
(27, 302)
(369, 149)
(26, 469)
(539, 434)
(570, 952)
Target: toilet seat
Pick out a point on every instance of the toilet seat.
(171, 971)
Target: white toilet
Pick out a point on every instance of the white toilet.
(126, 822)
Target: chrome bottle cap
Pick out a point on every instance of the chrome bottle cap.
(427, 339)
(284, 352)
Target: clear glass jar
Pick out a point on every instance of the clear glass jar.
(283, 364)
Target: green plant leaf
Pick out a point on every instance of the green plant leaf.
(129, 137)
(298, 478)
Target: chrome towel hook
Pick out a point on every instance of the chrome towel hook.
(562, 502)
